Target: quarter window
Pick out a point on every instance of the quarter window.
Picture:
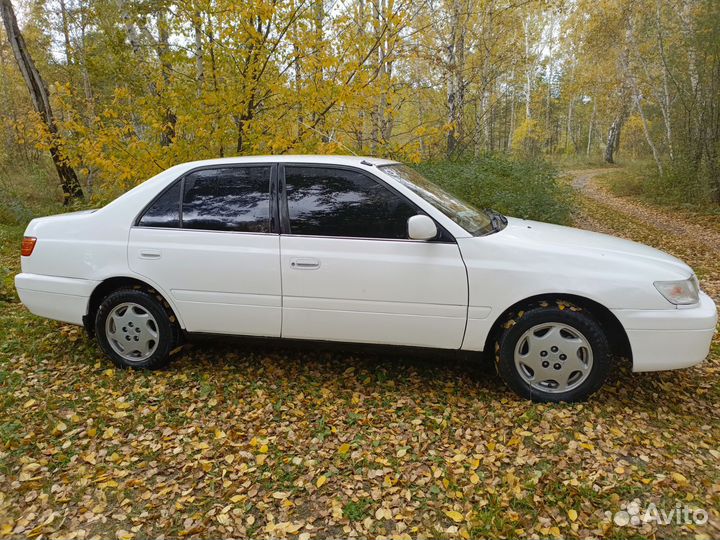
(227, 199)
(338, 202)
(165, 211)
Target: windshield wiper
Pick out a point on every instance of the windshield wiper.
(497, 220)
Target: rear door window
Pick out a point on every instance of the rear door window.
(235, 199)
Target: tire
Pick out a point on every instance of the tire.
(553, 353)
(135, 330)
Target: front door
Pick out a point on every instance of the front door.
(211, 242)
(349, 271)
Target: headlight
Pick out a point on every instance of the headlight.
(680, 293)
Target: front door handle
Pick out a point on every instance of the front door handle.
(150, 254)
(304, 263)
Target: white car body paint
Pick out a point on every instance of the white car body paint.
(397, 292)
(374, 291)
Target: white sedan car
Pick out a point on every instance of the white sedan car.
(360, 250)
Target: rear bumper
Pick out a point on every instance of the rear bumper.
(60, 298)
(670, 338)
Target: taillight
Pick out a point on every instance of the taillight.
(28, 244)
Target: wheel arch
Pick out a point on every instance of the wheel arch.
(619, 342)
(111, 284)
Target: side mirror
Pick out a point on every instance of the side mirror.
(421, 228)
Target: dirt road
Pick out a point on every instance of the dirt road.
(676, 233)
(673, 223)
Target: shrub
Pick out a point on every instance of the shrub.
(522, 188)
(527, 189)
(681, 186)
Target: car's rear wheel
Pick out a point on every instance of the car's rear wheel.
(135, 330)
(554, 353)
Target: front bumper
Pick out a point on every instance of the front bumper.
(669, 338)
(60, 298)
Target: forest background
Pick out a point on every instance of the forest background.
(99, 95)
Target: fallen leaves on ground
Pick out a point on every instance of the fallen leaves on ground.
(268, 441)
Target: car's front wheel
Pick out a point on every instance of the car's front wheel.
(553, 353)
(135, 330)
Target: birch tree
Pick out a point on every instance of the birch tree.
(41, 101)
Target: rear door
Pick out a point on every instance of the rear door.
(349, 271)
(211, 241)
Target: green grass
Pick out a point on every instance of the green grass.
(28, 191)
(520, 188)
(578, 161)
(357, 510)
(679, 188)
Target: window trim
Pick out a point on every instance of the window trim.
(444, 236)
(272, 195)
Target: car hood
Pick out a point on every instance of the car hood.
(590, 243)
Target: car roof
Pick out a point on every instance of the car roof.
(291, 158)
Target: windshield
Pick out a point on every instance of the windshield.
(474, 221)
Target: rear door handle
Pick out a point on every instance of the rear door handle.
(150, 254)
(304, 263)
